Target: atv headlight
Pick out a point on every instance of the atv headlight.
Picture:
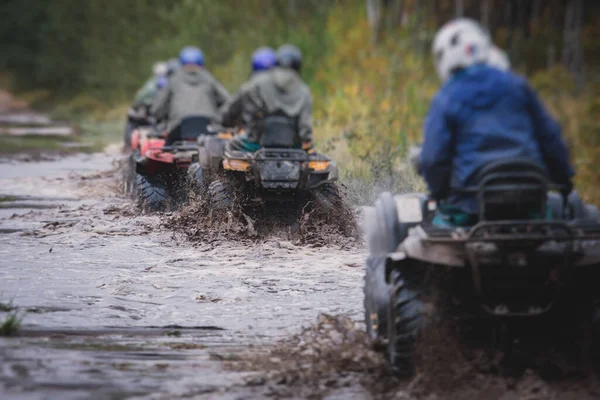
(409, 208)
(318, 166)
(236, 165)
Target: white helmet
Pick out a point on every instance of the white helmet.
(159, 68)
(458, 44)
(498, 58)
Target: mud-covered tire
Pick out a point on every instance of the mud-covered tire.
(327, 196)
(384, 234)
(129, 177)
(196, 179)
(220, 196)
(152, 195)
(376, 299)
(405, 320)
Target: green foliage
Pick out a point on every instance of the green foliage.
(369, 102)
(11, 324)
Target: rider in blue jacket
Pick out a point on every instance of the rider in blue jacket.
(482, 114)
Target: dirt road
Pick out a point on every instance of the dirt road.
(118, 305)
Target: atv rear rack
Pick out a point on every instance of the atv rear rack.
(512, 231)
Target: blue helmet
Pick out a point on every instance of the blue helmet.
(191, 55)
(161, 82)
(263, 58)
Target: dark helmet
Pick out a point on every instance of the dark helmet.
(191, 55)
(263, 58)
(172, 66)
(289, 56)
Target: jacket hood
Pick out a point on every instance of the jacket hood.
(479, 86)
(193, 76)
(285, 79)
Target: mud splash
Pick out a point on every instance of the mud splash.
(334, 358)
(201, 223)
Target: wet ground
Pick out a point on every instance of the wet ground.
(120, 305)
(117, 304)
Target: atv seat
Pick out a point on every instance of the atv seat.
(510, 189)
(188, 130)
(280, 131)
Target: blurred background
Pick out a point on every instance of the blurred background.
(367, 62)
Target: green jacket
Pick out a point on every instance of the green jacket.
(145, 94)
(190, 92)
(270, 92)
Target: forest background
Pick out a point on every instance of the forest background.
(367, 62)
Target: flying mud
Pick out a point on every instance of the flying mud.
(120, 304)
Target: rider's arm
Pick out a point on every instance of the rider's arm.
(221, 94)
(231, 112)
(550, 142)
(305, 122)
(160, 104)
(436, 155)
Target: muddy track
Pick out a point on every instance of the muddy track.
(122, 305)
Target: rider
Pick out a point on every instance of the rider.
(276, 95)
(138, 112)
(263, 59)
(190, 92)
(481, 114)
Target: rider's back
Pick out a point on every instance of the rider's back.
(192, 94)
(281, 91)
(481, 115)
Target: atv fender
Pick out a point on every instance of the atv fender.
(434, 253)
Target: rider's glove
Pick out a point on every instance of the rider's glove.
(567, 188)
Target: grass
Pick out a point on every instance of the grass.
(11, 324)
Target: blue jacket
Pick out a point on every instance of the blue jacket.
(483, 114)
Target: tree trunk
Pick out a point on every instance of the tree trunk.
(374, 14)
(572, 55)
(459, 6)
(485, 13)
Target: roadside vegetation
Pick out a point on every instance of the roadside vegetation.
(10, 323)
(372, 86)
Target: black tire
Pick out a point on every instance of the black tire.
(129, 177)
(376, 299)
(405, 322)
(196, 179)
(220, 196)
(127, 133)
(152, 194)
(384, 236)
(328, 196)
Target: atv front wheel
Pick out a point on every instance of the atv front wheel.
(220, 196)
(327, 196)
(152, 195)
(376, 298)
(404, 324)
(196, 179)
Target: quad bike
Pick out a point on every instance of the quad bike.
(137, 117)
(211, 148)
(531, 253)
(278, 173)
(161, 162)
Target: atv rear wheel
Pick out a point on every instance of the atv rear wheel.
(327, 196)
(376, 298)
(196, 179)
(152, 194)
(404, 324)
(220, 196)
(385, 236)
